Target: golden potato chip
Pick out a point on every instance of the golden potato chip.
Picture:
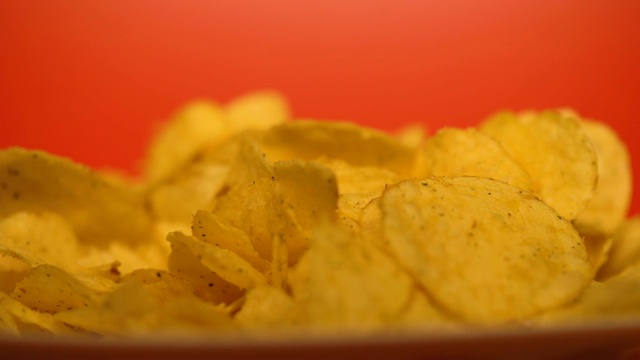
(345, 283)
(227, 264)
(307, 208)
(213, 229)
(484, 250)
(128, 257)
(97, 210)
(615, 300)
(39, 238)
(352, 205)
(360, 179)
(49, 289)
(555, 151)
(257, 110)
(131, 309)
(356, 145)
(598, 248)
(265, 307)
(162, 284)
(190, 189)
(625, 249)
(412, 135)
(18, 319)
(195, 126)
(458, 152)
(206, 284)
(609, 206)
(265, 200)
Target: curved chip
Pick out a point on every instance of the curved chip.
(257, 111)
(356, 145)
(43, 238)
(625, 249)
(555, 151)
(609, 206)
(195, 126)
(458, 152)
(99, 210)
(346, 283)
(483, 249)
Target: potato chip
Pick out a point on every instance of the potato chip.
(257, 111)
(206, 284)
(360, 179)
(412, 135)
(359, 146)
(352, 205)
(128, 257)
(345, 283)
(311, 227)
(625, 249)
(189, 190)
(458, 152)
(598, 248)
(609, 206)
(484, 250)
(555, 151)
(265, 307)
(18, 319)
(307, 208)
(195, 126)
(39, 238)
(49, 289)
(131, 309)
(266, 200)
(223, 262)
(615, 300)
(162, 284)
(213, 229)
(97, 210)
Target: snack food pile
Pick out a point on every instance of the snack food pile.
(248, 222)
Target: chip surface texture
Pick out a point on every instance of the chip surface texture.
(486, 251)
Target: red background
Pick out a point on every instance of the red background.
(91, 79)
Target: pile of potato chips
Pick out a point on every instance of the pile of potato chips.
(248, 222)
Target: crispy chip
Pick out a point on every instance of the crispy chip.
(458, 152)
(359, 146)
(39, 238)
(625, 249)
(345, 283)
(223, 262)
(49, 289)
(257, 111)
(609, 206)
(18, 319)
(206, 283)
(195, 126)
(265, 307)
(132, 309)
(484, 250)
(615, 300)
(213, 229)
(360, 179)
(555, 151)
(36, 181)
(249, 225)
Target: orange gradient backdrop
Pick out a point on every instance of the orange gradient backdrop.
(91, 79)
